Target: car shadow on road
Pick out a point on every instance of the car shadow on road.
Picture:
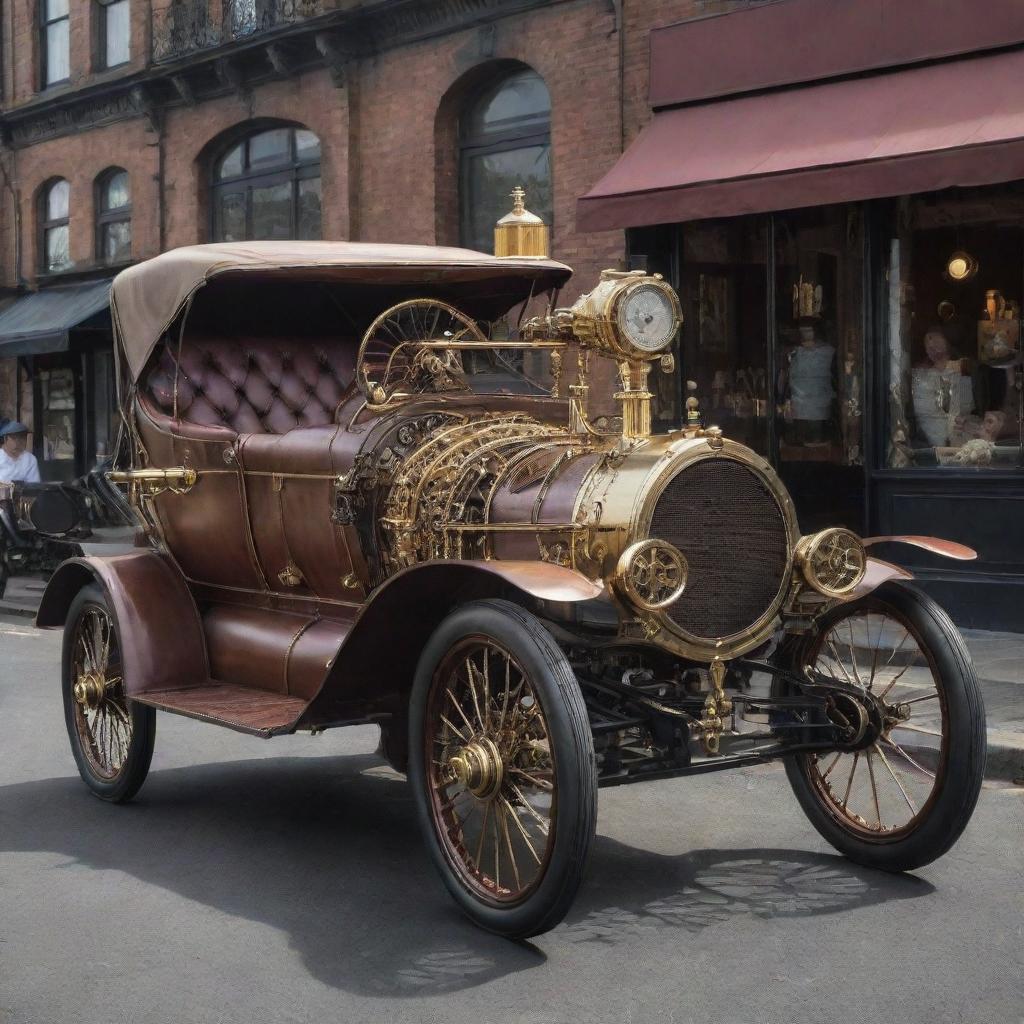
(327, 850)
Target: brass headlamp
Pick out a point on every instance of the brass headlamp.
(833, 561)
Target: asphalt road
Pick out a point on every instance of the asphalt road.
(256, 881)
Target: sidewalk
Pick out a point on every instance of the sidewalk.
(998, 658)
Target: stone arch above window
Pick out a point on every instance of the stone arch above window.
(265, 184)
(504, 139)
(113, 216)
(54, 210)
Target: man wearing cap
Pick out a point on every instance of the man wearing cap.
(17, 464)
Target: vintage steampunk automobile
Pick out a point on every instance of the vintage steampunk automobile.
(358, 505)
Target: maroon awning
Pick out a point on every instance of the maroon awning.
(915, 130)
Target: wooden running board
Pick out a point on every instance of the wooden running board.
(257, 712)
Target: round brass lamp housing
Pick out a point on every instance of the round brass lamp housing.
(629, 315)
(833, 561)
(651, 574)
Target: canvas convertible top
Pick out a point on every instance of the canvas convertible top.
(146, 298)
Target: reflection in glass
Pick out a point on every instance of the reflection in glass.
(231, 217)
(724, 335)
(57, 200)
(116, 31)
(57, 252)
(268, 187)
(505, 140)
(309, 209)
(271, 211)
(269, 148)
(489, 181)
(954, 370)
(117, 241)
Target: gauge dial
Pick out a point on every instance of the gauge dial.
(647, 317)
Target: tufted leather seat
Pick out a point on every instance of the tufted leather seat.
(254, 385)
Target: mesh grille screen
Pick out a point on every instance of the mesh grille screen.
(727, 523)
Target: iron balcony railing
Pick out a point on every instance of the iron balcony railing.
(187, 26)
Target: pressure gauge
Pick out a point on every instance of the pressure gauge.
(647, 316)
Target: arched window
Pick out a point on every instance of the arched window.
(268, 186)
(54, 203)
(504, 141)
(113, 216)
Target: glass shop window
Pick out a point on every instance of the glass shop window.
(954, 365)
(819, 270)
(723, 342)
(504, 141)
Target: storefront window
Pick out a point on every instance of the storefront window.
(955, 284)
(819, 314)
(723, 287)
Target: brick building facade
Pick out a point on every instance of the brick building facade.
(382, 84)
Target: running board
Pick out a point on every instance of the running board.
(242, 708)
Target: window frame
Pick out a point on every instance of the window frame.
(472, 145)
(291, 171)
(44, 45)
(46, 225)
(100, 62)
(105, 217)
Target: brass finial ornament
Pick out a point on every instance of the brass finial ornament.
(521, 233)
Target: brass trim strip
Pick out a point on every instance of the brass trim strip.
(291, 647)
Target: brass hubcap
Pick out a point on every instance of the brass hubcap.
(90, 690)
(479, 767)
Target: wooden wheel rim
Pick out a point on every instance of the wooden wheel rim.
(102, 719)
(886, 765)
(497, 836)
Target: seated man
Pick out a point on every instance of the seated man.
(17, 464)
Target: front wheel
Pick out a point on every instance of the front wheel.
(903, 800)
(111, 736)
(502, 762)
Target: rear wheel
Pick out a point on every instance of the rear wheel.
(502, 761)
(903, 800)
(111, 736)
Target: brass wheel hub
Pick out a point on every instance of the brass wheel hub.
(479, 767)
(90, 690)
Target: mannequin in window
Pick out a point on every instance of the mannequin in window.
(940, 389)
(811, 384)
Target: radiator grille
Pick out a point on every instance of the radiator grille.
(729, 525)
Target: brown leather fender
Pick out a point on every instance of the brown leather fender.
(374, 667)
(936, 545)
(162, 645)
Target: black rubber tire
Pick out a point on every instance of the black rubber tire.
(140, 750)
(569, 733)
(951, 806)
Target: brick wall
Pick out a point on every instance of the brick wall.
(389, 136)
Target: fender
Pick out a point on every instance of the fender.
(162, 644)
(374, 667)
(936, 545)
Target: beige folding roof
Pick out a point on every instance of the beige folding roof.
(146, 298)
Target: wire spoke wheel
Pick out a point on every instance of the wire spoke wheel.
(502, 762)
(101, 710)
(903, 797)
(111, 736)
(884, 789)
(492, 775)
(403, 351)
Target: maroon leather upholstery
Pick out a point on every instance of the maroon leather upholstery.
(254, 385)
